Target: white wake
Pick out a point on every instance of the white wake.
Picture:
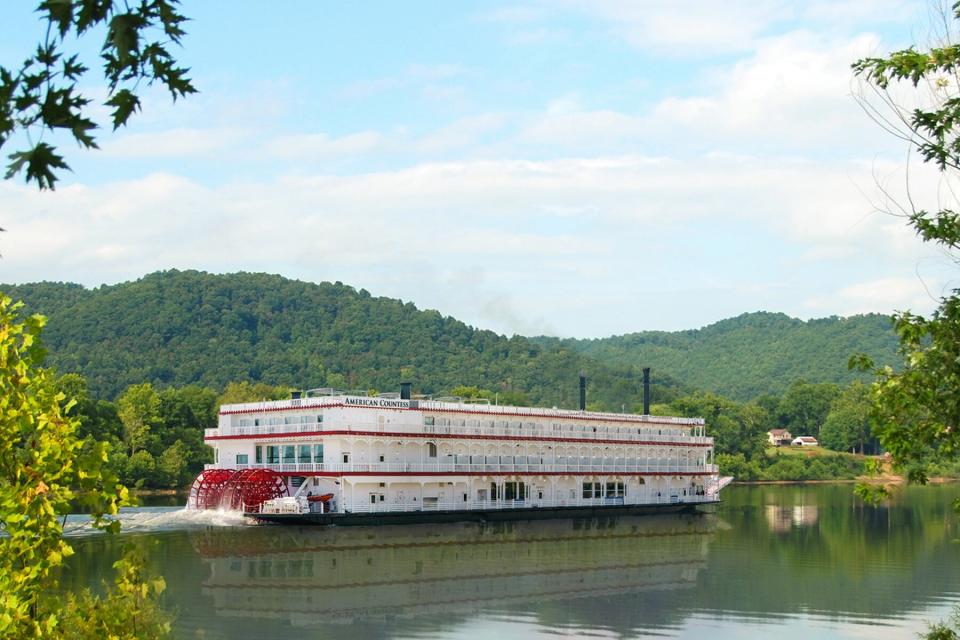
(153, 519)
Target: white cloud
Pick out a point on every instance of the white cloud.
(543, 233)
(686, 28)
(794, 90)
(320, 145)
(461, 133)
(173, 143)
(893, 293)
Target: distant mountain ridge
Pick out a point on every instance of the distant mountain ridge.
(183, 327)
(751, 354)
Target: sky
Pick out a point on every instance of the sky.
(571, 168)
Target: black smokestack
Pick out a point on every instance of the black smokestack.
(405, 390)
(646, 391)
(583, 391)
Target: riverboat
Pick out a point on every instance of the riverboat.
(330, 457)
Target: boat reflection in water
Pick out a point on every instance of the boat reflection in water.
(311, 576)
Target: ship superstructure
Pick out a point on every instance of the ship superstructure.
(338, 454)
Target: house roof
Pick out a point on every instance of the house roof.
(778, 432)
(806, 439)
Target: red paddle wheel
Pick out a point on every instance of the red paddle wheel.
(247, 489)
(207, 490)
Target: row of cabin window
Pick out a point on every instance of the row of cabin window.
(274, 421)
(516, 424)
(596, 489)
(285, 454)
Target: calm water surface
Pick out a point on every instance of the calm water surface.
(795, 561)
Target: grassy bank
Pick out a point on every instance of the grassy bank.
(786, 464)
(816, 464)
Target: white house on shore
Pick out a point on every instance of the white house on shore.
(805, 441)
(779, 437)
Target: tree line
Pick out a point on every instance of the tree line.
(156, 433)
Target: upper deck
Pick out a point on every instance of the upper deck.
(388, 414)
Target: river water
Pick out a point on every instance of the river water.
(804, 561)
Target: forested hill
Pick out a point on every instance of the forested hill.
(752, 354)
(177, 328)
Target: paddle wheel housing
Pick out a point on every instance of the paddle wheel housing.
(247, 489)
(238, 490)
(207, 490)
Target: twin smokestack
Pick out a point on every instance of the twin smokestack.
(646, 391)
(405, 388)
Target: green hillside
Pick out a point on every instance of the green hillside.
(750, 355)
(175, 328)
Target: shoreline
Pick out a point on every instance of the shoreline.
(159, 492)
(898, 480)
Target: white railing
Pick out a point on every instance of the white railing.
(387, 468)
(640, 499)
(466, 432)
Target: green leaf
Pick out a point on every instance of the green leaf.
(124, 103)
(40, 161)
(59, 13)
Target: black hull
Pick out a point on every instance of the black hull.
(496, 515)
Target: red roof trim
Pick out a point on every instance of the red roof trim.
(465, 436)
(340, 405)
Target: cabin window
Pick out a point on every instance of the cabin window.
(346, 458)
(289, 454)
(428, 420)
(303, 452)
(431, 450)
(246, 422)
(216, 456)
(614, 489)
(256, 422)
(471, 423)
(276, 421)
(273, 454)
(242, 458)
(318, 453)
(258, 454)
(514, 491)
(482, 495)
(592, 490)
(381, 457)
(291, 420)
(373, 498)
(494, 494)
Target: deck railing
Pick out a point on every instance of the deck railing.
(511, 432)
(387, 468)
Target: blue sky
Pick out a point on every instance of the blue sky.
(571, 168)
